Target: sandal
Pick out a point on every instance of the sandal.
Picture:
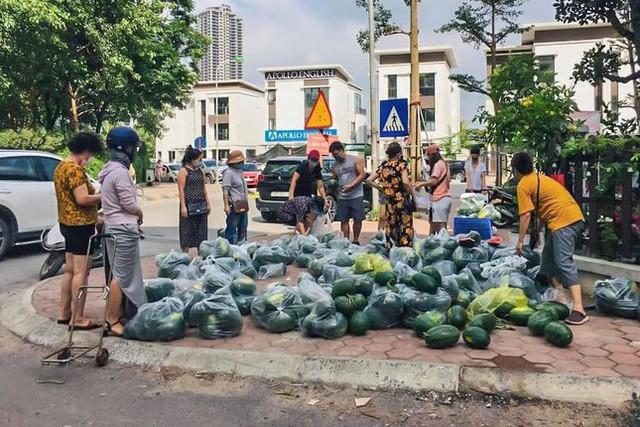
(108, 330)
(64, 321)
(88, 327)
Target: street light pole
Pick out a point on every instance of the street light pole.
(414, 123)
(372, 93)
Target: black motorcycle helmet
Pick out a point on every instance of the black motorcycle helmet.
(125, 139)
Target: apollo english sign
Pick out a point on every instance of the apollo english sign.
(300, 74)
(294, 135)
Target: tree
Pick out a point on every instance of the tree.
(78, 63)
(609, 61)
(383, 23)
(534, 112)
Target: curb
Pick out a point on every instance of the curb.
(19, 317)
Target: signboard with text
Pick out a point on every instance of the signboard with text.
(321, 143)
(293, 135)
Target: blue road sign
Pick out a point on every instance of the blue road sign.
(394, 118)
(200, 143)
(293, 135)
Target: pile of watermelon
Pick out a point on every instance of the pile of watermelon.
(442, 288)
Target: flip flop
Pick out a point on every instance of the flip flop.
(64, 321)
(109, 331)
(88, 327)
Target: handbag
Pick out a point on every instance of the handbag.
(196, 209)
(423, 199)
(241, 206)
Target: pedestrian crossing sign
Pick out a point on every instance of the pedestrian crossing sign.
(320, 116)
(394, 116)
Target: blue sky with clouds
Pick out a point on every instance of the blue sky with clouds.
(309, 32)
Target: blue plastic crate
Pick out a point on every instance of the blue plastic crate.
(465, 225)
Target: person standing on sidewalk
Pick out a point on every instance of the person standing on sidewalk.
(77, 215)
(122, 218)
(236, 198)
(194, 202)
(548, 202)
(438, 185)
(159, 171)
(349, 172)
(307, 179)
(475, 172)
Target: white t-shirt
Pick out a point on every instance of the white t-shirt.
(475, 175)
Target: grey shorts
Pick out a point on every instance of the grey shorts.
(557, 255)
(350, 209)
(440, 210)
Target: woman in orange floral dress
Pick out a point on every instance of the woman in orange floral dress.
(393, 180)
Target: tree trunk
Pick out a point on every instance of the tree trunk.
(635, 28)
(414, 124)
(75, 120)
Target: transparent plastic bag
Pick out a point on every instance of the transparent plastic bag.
(422, 199)
(218, 248)
(272, 270)
(168, 263)
(562, 296)
(384, 309)
(512, 261)
(331, 273)
(402, 270)
(406, 256)
(303, 244)
(279, 309)
(157, 321)
(339, 243)
(445, 267)
(378, 244)
(490, 211)
(489, 301)
(321, 226)
(471, 203)
(467, 281)
(311, 292)
(416, 303)
(190, 297)
(515, 279)
(217, 316)
(243, 261)
(215, 278)
(533, 257)
(324, 322)
(617, 297)
(463, 256)
(270, 255)
(156, 289)
(371, 263)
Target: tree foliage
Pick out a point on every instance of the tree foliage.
(534, 112)
(617, 61)
(80, 63)
(383, 23)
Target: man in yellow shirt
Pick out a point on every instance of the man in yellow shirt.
(554, 206)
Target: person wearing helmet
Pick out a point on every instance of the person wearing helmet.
(122, 218)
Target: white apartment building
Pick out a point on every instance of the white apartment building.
(224, 29)
(439, 97)
(230, 115)
(291, 93)
(560, 47)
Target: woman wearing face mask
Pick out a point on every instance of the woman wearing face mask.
(393, 181)
(307, 179)
(78, 215)
(235, 198)
(194, 203)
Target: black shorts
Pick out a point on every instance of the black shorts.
(76, 238)
(350, 209)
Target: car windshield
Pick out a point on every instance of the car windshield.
(210, 163)
(249, 167)
(174, 167)
(282, 168)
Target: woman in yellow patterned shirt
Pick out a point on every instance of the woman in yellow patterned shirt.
(77, 215)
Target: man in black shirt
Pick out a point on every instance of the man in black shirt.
(307, 179)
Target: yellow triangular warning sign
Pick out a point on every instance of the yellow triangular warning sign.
(320, 117)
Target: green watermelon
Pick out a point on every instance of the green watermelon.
(358, 324)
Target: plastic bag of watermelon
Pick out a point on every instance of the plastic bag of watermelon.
(331, 273)
(324, 321)
(272, 270)
(416, 303)
(156, 289)
(377, 245)
(217, 316)
(371, 263)
(243, 261)
(445, 267)
(279, 309)
(271, 255)
(157, 321)
(218, 248)
(514, 278)
(406, 256)
(311, 292)
(384, 309)
(532, 257)
(463, 256)
(168, 263)
(617, 297)
(190, 297)
(215, 278)
(497, 298)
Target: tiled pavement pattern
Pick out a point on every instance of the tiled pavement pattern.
(603, 347)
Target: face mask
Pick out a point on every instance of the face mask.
(239, 165)
(337, 157)
(313, 164)
(86, 162)
(474, 158)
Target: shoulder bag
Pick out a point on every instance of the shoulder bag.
(533, 238)
(241, 206)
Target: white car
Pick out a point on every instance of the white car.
(28, 204)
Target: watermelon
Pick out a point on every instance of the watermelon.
(383, 278)
(329, 327)
(425, 321)
(457, 317)
(520, 315)
(243, 286)
(156, 289)
(443, 336)
(561, 310)
(476, 337)
(433, 273)
(358, 324)
(558, 334)
(450, 285)
(218, 248)
(486, 321)
(345, 305)
(539, 320)
(278, 309)
(343, 287)
(425, 283)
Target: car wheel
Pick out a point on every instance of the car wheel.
(6, 237)
(269, 216)
(459, 176)
(52, 265)
(332, 208)
(210, 179)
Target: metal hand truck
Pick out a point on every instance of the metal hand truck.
(72, 351)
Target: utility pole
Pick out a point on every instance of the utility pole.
(373, 99)
(414, 122)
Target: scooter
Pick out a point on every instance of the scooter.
(505, 203)
(53, 242)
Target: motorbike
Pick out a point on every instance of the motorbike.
(506, 203)
(53, 242)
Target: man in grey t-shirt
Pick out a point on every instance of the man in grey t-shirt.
(349, 172)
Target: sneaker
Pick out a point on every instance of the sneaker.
(576, 318)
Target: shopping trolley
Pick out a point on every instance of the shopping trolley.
(72, 351)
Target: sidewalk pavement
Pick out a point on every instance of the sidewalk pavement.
(605, 353)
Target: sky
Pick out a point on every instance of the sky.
(310, 32)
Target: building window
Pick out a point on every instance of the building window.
(311, 94)
(271, 95)
(427, 84)
(223, 106)
(272, 124)
(223, 154)
(172, 156)
(223, 131)
(357, 103)
(429, 115)
(251, 153)
(547, 63)
(392, 86)
(203, 118)
(159, 155)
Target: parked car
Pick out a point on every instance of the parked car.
(457, 170)
(171, 172)
(209, 173)
(28, 204)
(250, 173)
(215, 166)
(275, 179)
